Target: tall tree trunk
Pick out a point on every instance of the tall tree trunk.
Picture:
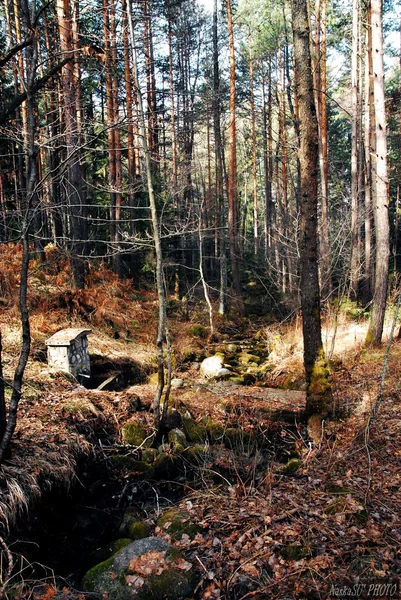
(233, 212)
(369, 144)
(380, 188)
(159, 414)
(174, 167)
(8, 424)
(152, 132)
(355, 262)
(74, 182)
(220, 236)
(320, 71)
(318, 389)
(268, 161)
(254, 150)
(117, 258)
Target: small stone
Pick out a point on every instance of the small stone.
(176, 436)
(177, 383)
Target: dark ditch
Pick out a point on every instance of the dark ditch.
(70, 531)
(114, 374)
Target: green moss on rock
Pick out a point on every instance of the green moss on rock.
(245, 358)
(292, 466)
(244, 379)
(131, 464)
(194, 453)
(214, 430)
(138, 530)
(149, 455)
(176, 437)
(168, 466)
(194, 432)
(176, 523)
(237, 439)
(172, 584)
(119, 544)
(92, 577)
(134, 434)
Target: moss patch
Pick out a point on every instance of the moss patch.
(138, 530)
(177, 438)
(245, 358)
(92, 576)
(119, 544)
(198, 330)
(214, 430)
(296, 552)
(168, 466)
(176, 523)
(194, 453)
(172, 584)
(134, 434)
(292, 466)
(194, 431)
(130, 464)
(237, 439)
(319, 394)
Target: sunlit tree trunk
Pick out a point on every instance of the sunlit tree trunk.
(233, 213)
(318, 389)
(369, 143)
(380, 188)
(320, 72)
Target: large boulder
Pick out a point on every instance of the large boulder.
(147, 569)
(213, 367)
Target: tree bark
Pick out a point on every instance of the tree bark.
(380, 188)
(318, 389)
(355, 262)
(233, 213)
(320, 71)
(74, 182)
(369, 143)
(220, 229)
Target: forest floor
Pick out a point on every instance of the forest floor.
(319, 532)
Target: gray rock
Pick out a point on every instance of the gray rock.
(123, 558)
(110, 577)
(176, 436)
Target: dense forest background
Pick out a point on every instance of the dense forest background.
(73, 171)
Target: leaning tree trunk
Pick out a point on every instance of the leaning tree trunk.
(319, 397)
(9, 421)
(380, 187)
